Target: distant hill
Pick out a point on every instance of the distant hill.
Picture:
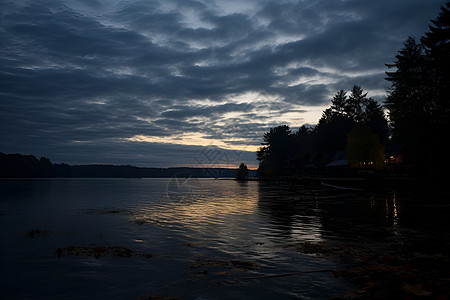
(28, 166)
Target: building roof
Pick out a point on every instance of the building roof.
(338, 163)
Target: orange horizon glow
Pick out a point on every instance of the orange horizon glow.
(218, 165)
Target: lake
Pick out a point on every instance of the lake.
(188, 238)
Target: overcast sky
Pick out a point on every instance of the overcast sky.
(181, 82)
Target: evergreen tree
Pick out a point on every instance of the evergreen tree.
(437, 46)
(277, 146)
(345, 114)
(339, 103)
(419, 99)
(355, 102)
(332, 129)
(327, 117)
(304, 140)
(375, 119)
(406, 98)
(242, 172)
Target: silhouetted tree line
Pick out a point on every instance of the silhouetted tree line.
(25, 166)
(418, 105)
(341, 126)
(28, 166)
(419, 98)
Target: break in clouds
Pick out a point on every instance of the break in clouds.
(152, 83)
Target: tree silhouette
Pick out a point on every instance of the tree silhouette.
(355, 102)
(339, 103)
(277, 146)
(347, 113)
(374, 118)
(419, 112)
(23, 166)
(419, 98)
(406, 100)
(436, 43)
(242, 172)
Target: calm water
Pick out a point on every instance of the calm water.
(208, 239)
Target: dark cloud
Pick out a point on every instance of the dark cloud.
(184, 112)
(80, 80)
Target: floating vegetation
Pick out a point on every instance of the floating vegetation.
(103, 236)
(155, 297)
(145, 221)
(99, 251)
(37, 232)
(141, 221)
(94, 251)
(240, 263)
(194, 244)
(226, 272)
(107, 211)
(203, 262)
(382, 271)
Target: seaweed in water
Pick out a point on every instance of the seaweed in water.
(99, 251)
(94, 251)
(37, 232)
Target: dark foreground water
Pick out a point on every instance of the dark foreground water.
(216, 239)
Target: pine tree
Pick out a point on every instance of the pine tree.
(437, 47)
(242, 172)
(406, 98)
(419, 99)
(277, 146)
(375, 120)
(355, 103)
(339, 103)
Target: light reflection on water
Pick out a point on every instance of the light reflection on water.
(205, 236)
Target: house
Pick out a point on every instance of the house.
(394, 163)
(395, 159)
(339, 164)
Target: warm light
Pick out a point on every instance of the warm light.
(193, 139)
(192, 206)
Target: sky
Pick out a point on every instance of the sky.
(185, 82)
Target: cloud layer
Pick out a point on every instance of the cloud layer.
(155, 82)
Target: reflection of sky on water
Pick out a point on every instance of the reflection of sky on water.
(199, 206)
(232, 211)
(262, 223)
(222, 216)
(227, 212)
(291, 211)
